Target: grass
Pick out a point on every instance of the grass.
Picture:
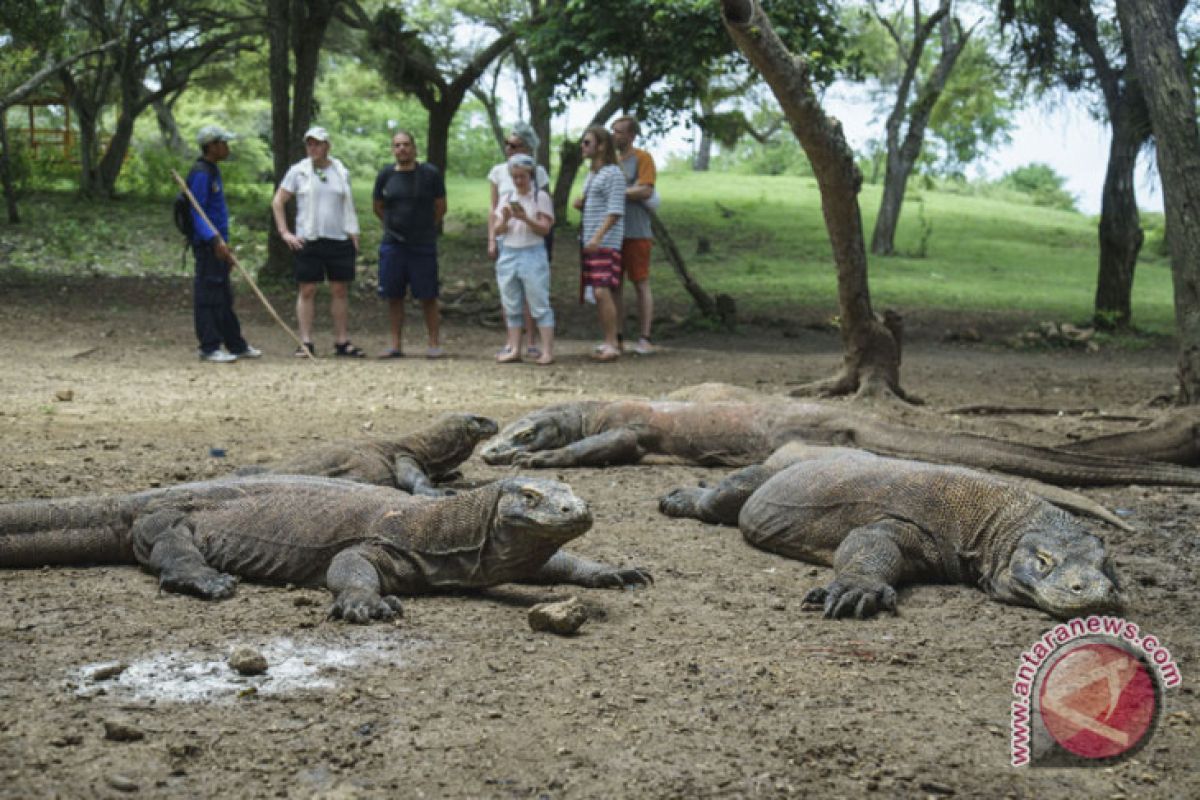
(767, 247)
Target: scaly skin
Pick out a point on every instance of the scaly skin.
(595, 433)
(411, 463)
(1175, 438)
(366, 544)
(882, 522)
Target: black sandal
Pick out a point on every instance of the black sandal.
(347, 349)
(307, 346)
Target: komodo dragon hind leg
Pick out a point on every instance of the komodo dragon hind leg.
(357, 592)
(411, 478)
(163, 544)
(719, 504)
(867, 565)
(566, 568)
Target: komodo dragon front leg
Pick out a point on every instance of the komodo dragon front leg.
(163, 542)
(357, 590)
(869, 563)
(410, 477)
(567, 568)
(620, 446)
(720, 504)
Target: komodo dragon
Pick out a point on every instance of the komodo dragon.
(597, 433)
(411, 463)
(366, 544)
(882, 522)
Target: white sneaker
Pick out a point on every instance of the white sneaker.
(249, 352)
(218, 357)
(644, 347)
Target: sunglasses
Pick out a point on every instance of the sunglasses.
(588, 141)
(514, 145)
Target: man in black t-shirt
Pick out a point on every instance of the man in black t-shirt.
(410, 201)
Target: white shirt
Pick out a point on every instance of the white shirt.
(519, 235)
(501, 178)
(324, 208)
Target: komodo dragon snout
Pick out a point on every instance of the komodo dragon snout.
(1064, 576)
(543, 508)
(529, 434)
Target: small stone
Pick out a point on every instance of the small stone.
(64, 395)
(933, 787)
(247, 661)
(777, 604)
(564, 617)
(109, 671)
(116, 730)
(122, 783)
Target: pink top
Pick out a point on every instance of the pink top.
(518, 234)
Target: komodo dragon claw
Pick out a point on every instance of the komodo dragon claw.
(618, 578)
(361, 607)
(846, 600)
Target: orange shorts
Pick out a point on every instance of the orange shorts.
(635, 259)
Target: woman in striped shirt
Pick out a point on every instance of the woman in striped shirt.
(601, 232)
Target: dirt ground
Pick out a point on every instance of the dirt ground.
(714, 682)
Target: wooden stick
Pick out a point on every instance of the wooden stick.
(266, 303)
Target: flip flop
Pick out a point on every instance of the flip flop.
(391, 352)
(507, 356)
(606, 354)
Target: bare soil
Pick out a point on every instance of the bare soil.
(714, 682)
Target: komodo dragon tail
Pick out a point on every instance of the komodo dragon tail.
(73, 530)
(1048, 464)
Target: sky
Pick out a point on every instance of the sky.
(1058, 133)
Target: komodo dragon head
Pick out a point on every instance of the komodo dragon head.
(538, 508)
(1064, 573)
(545, 429)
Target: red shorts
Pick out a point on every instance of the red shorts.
(635, 259)
(601, 269)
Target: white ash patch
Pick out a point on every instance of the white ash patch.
(192, 676)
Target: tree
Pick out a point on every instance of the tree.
(1066, 43)
(871, 365)
(915, 97)
(422, 57)
(296, 31)
(27, 60)
(1164, 77)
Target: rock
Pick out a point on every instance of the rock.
(122, 783)
(64, 395)
(934, 787)
(564, 617)
(117, 730)
(109, 671)
(247, 661)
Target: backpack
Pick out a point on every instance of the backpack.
(182, 208)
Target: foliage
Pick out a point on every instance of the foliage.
(1043, 185)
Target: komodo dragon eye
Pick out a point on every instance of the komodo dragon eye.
(531, 497)
(523, 436)
(1045, 562)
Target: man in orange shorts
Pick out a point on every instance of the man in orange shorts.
(640, 175)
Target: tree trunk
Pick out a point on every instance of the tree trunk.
(569, 161)
(1164, 78)
(1120, 232)
(871, 364)
(895, 182)
(10, 191)
(704, 151)
(168, 127)
(437, 135)
(723, 309)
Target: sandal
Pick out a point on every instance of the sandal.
(391, 352)
(533, 351)
(606, 354)
(301, 351)
(347, 349)
(508, 356)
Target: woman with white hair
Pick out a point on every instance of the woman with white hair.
(521, 221)
(520, 140)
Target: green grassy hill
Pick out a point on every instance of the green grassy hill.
(760, 239)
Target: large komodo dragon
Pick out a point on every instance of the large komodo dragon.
(366, 544)
(412, 462)
(598, 433)
(1174, 438)
(882, 522)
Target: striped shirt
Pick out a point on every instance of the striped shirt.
(604, 194)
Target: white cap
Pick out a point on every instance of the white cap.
(318, 133)
(214, 133)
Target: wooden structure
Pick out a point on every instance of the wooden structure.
(37, 139)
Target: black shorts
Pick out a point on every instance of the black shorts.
(322, 259)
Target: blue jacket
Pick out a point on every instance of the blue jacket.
(206, 186)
